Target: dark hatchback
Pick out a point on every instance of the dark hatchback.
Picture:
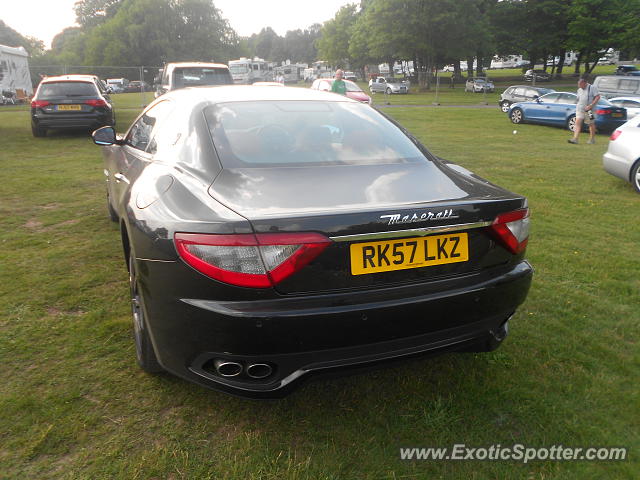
(520, 93)
(537, 75)
(70, 102)
(275, 233)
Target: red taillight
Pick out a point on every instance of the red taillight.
(615, 135)
(96, 103)
(247, 260)
(603, 111)
(39, 103)
(511, 229)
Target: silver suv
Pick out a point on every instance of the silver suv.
(191, 74)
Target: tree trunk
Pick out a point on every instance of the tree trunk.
(469, 67)
(562, 55)
(479, 67)
(576, 71)
(456, 70)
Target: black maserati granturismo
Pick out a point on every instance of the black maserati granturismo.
(274, 233)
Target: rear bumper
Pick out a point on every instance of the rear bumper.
(301, 335)
(617, 165)
(93, 120)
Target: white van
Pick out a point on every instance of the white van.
(611, 86)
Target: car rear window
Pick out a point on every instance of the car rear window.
(197, 76)
(67, 89)
(285, 133)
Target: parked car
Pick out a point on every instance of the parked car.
(630, 104)
(135, 86)
(479, 85)
(117, 85)
(70, 102)
(618, 86)
(350, 76)
(522, 63)
(388, 85)
(191, 74)
(622, 158)
(628, 70)
(353, 90)
(539, 75)
(559, 109)
(288, 231)
(520, 93)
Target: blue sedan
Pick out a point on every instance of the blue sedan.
(559, 109)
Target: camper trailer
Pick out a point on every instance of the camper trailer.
(247, 71)
(15, 78)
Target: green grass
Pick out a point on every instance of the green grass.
(75, 406)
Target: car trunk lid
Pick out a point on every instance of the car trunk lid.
(361, 207)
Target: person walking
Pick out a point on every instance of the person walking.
(338, 85)
(588, 97)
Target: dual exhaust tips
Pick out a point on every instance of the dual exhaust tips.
(228, 369)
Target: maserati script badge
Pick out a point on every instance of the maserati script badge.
(398, 219)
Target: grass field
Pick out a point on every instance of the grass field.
(75, 406)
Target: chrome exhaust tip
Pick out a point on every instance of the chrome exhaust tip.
(259, 370)
(501, 333)
(227, 369)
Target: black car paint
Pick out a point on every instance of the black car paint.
(320, 319)
(44, 118)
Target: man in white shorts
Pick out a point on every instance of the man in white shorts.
(588, 97)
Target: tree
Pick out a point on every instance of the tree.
(11, 38)
(91, 13)
(333, 44)
(151, 32)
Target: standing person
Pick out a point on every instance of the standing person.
(338, 85)
(588, 97)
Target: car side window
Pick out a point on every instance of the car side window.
(568, 98)
(141, 133)
(550, 98)
(520, 92)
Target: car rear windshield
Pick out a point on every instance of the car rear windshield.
(285, 133)
(67, 89)
(197, 76)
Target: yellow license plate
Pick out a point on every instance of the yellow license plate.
(616, 115)
(404, 253)
(69, 107)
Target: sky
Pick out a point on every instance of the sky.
(44, 19)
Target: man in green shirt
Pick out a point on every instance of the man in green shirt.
(338, 85)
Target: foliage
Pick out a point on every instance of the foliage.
(11, 38)
(333, 45)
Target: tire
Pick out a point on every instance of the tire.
(38, 131)
(504, 106)
(372, 91)
(113, 215)
(145, 355)
(571, 122)
(634, 176)
(388, 91)
(516, 116)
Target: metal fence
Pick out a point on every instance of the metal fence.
(141, 72)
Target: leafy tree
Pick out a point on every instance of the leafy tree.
(11, 38)
(150, 32)
(333, 45)
(91, 13)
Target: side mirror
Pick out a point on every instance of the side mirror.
(537, 98)
(104, 136)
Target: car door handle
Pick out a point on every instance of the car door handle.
(121, 178)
